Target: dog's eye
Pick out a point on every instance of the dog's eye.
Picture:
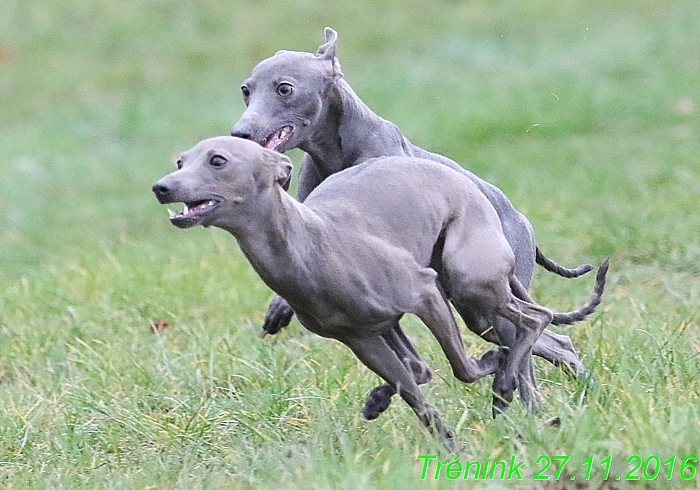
(285, 89)
(246, 92)
(217, 161)
(179, 163)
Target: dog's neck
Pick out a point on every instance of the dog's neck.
(275, 237)
(348, 132)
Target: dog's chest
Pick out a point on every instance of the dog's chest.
(340, 327)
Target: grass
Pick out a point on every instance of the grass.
(585, 114)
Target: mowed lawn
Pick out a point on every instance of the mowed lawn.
(586, 114)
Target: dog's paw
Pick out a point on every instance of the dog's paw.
(448, 441)
(503, 388)
(378, 401)
(278, 316)
(493, 360)
(421, 371)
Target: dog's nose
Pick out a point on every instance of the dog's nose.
(244, 133)
(161, 190)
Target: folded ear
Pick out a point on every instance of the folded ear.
(283, 169)
(327, 51)
(284, 176)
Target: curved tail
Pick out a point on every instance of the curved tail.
(588, 308)
(552, 266)
(572, 316)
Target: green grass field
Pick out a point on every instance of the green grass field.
(585, 113)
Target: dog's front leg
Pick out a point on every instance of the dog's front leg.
(374, 352)
(379, 398)
(530, 320)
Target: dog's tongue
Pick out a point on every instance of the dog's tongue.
(277, 138)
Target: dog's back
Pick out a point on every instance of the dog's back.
(403, 200)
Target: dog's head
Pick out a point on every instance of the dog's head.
(284, 96)
(218, 179)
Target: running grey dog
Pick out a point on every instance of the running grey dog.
(300, 100)
(362, 251)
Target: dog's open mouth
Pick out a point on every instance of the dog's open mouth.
(278, 138)
(193, 213)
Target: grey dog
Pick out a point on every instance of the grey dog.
(362, 251)
(301, 100)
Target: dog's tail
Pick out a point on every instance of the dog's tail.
(552, 266)
(572, 316)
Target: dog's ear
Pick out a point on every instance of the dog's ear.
(327, 51)
(284, 172)
(283, 168)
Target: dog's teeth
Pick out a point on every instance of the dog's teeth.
(211, 203)
(185, 211)
(171, 213)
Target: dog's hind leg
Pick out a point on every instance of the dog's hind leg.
(531, 319)
(476, 275)
(434, 310)
(503, 334)
(375, 353)
(555, 348)
(526, 381)
(559, 350)
(379, 398)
